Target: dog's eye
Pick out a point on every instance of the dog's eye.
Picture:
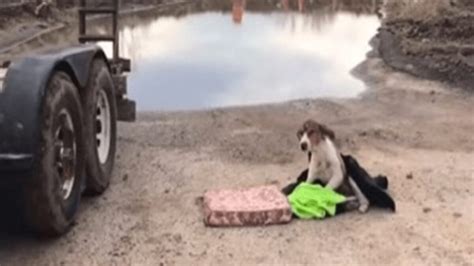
(310, 132)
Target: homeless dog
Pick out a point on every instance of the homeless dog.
(341, 173)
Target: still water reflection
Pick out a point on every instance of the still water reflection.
(237, 57)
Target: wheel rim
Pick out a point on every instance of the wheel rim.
(66, 153)
(103, 125)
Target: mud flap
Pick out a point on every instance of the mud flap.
(126, 110)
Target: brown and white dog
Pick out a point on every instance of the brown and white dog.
(325, 162)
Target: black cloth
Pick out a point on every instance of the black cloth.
(373, 189)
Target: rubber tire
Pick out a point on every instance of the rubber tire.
(98, 175)
(46, 212)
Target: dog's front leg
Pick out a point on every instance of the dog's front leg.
(351, 203)
(312, 174)
(363, 201)
(337, 177)
(312, 170)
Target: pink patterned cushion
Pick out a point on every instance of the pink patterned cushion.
(253, 206)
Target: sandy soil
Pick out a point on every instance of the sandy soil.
(417, 132)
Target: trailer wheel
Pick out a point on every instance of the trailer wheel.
(100, 121)
(53, 193)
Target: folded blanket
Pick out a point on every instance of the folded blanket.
(310, 201)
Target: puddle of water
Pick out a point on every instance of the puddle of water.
(239, 57)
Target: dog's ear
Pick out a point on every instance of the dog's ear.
(325, 131)
(299, 133)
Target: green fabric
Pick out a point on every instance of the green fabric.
(310, 201)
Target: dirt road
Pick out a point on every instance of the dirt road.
(419, 133)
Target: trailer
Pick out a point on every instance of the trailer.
(58, 124)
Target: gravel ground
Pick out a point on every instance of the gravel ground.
(419, 133)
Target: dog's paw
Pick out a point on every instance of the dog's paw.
(363, 208)
(351, 205)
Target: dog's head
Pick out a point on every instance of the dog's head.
(311, 134)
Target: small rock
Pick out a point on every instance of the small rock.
(125, 177)
(125, 239)
(426, 209)
(457, 215)
(178, 238)
(432, 92)
(198, 201)
(410, 175)
(416, 249)
(167, 191)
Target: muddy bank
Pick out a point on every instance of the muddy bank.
(432, 40)
(20, 22)
(23, 31)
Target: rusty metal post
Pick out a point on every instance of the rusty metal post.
(82, 19)
(115, 29)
